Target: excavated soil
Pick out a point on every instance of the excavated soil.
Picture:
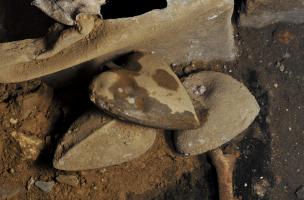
(271, 165)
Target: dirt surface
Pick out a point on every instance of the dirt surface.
(271, 164)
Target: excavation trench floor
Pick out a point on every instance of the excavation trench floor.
(271, 166)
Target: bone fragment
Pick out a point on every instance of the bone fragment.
(182, 32)
(224, 164)
(66, 11)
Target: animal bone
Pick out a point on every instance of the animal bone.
(182, 32)
(35, 49)
(147, 92)
(224, 164)
(66, 11)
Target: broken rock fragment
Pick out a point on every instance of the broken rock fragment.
(96, 140)
(146, 92)
(71, 180)
(261, 13)
(226, 107)
(45, 186)
(37, 111)
(31, 146)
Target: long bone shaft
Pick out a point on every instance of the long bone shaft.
(182, 32)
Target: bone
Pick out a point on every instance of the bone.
(66, 11)
(182, 32)
(146, 92)
(226, 109)
(85, 25)
(19, 52)
(96, 140)
(224, 164)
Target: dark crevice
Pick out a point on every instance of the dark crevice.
(256, 153)
(239, 7)
(114, 9)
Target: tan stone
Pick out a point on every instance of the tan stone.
(31, 146)
(227, 109)
(96, 140)
(71, 180)
(149, 94)
(38, 112)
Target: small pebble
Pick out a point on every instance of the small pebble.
(300, 193)
(13, 121)
(286, 55)
(30, 183)
(45, 186)
(282, 67)
(199, 90)
(68, 179)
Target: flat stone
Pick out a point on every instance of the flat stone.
(261, 13)
(227, 108)
(45, 186)
(145, 92)
(71, 180)
(96, 140)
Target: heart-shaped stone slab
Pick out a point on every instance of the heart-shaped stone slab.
(227, 106)
(96, 140)
(146, 92)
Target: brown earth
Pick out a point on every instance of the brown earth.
(271, 165)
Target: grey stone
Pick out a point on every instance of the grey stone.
(300, 193)
(226, 107)
(8, 192)
(71, 180)
(180, 33)
(45, 186)
(151, 95)
(96, 140)
(261, 13)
